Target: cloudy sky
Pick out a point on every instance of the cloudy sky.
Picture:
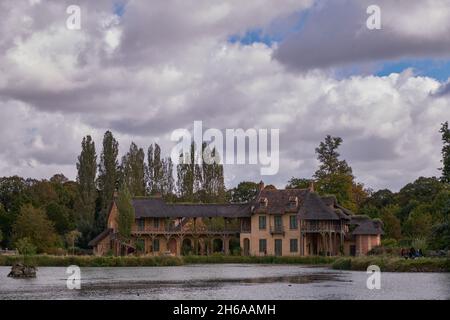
(308, 67)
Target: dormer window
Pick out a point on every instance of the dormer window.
(263, 202)
(293, 201)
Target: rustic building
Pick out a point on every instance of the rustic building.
(290, 222)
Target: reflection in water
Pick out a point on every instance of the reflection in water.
(237, 281)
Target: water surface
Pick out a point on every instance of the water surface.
(224, 281)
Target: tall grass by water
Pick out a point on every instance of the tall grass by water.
(393, 264)
(150, 261)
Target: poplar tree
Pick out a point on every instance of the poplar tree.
(186, 176)
(126, 213)
(87, 170)
(108, 168)
(133, 171)
(445, 153)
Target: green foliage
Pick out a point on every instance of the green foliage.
(389, 243)
(126, 214)
(393, 264)
(33, 224)
(440, 236)
(108, 169)
(26, 247)
(334, 176)
(60, 217)
(71, 239)
(445, 153)
(245, 191)
(391, 224)
(420, 243)
(87, 170)
(299, 183)
(1, 235)
(133, 171)
(419, 222)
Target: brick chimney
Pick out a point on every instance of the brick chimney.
(261, 185)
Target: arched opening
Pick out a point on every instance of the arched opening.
(246, 246)
(217, 245)
(187, 247)
(172, 246)
(234, 246)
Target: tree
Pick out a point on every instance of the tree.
(87, 170)
(133, 171)
(26, 247)
(419, 222)
(329, 159)
(299, 183)
(59, 215)
(108, 169)
(245, 191)
(33, 223)
(423, 190)
(445, 131)
(211, 176)
(334, 176)
(1, 236)
(391, 224)
(71, 238)
(126, 214)
(440, 236)
(186, 176)
(168, 184)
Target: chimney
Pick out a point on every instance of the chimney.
(311, 186)
(261, 185)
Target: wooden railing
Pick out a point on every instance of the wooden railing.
(277, 229)
(308, 227)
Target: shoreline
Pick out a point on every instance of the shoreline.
(386, 263)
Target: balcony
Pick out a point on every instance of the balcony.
(318, 227)
(277, 230)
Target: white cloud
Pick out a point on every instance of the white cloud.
(157, 69)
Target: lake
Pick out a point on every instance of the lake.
(224, 281)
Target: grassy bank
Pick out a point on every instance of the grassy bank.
(393, 264)
(91, 261)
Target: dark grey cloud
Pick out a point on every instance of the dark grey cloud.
(335, 34)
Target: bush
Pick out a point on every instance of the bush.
(394, 264)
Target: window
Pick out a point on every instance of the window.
(140, 224)
(278, 222)
(294, 245)
(156, 245)
(156, 223)
(263, 246)
(293, 222)
(262, 222)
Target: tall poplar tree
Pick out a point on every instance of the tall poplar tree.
(87, 171)
(445, 153)
(126, 213)
(108, 168)
(133, 171)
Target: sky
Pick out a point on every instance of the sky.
(307, 67)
